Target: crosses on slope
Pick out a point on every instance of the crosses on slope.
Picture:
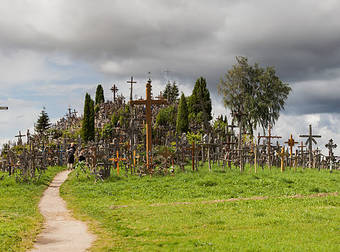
(310, 140)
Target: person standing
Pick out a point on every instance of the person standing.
(70, 156)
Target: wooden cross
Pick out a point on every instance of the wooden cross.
(117, 159)
(148, 102)
(301, 147)
(291, 142)
(269, 138)
(131, 82)
(310, 141)
(20, 138)
(330, 146)
(114, 90)
(282, 155)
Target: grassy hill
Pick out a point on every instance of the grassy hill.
(218, 211)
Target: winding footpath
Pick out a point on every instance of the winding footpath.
(61, 232)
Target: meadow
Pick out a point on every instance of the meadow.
(211, 211)
(20, 220)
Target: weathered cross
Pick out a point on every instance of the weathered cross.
(269, 138)
(20, 138)
(148, 102)
(114, 90)
(330, 146)
(310, 141)
(131, 82)
(301, 147)
(291, 142)
(282, 155)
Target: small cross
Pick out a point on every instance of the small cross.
(330, 146)
(310, 140)
(269, 138)
(291, 142)
(20, 138)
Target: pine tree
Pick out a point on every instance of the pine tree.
(88, 120)
(200, 103)
(171, 92)
(43, 122)
(99, 95)
(182, 123)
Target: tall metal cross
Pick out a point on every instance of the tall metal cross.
(114, 90)
(310, 141)
(131, 82)
(269, 138)
(148, 102)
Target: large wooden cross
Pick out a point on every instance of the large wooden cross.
(148, 102)
(114, 90)
(291, 142)
(131, 82)
(269, 138)
(310, 141)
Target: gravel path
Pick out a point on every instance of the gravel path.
(61, 232)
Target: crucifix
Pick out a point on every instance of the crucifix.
(291, 142)
(131, 82)
(19, 136)
(148, 102)
(330, 146)
(114, 90)
(269, 138)
(310, 141)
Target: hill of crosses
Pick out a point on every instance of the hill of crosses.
(156, 135)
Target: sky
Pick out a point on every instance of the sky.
(53, 52)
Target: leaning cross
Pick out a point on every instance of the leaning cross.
(269, 138)
(148, 102)
(131, 82)
(310, 141)
(114, 90)
(291, 142)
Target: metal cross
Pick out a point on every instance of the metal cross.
(310, 141)
(330, 146)
(131, 82)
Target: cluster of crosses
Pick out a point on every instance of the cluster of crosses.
(124, 150)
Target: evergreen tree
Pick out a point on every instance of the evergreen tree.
(200, 103)
(88, 120)
(182, 123)
(171, 92)
(43, 122)
(99, 95)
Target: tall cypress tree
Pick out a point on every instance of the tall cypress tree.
(88, 120)
(99, 95)
(200, 103)
(182, 123)
(43, 122)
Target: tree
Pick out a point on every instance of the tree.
(200, 103)
(255, 93)
(166, 117)
(99, 95)
(88, 131)
(43, 122)
(182, 123)
(171, 92)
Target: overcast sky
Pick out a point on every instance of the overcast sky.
(53, 52)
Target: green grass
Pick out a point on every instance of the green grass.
(20, 220)
(132, 213)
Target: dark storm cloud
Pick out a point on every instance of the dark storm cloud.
(191, 38)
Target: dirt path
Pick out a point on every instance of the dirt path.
(61, 232)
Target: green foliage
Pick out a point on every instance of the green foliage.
(99, 95)
(166, 117)
(171, 92)
(255, 92)
(210, 211)
(20, 220)
(194, 137)
(88, 131)
(182, 123)
(200, 104)
(43, 123)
